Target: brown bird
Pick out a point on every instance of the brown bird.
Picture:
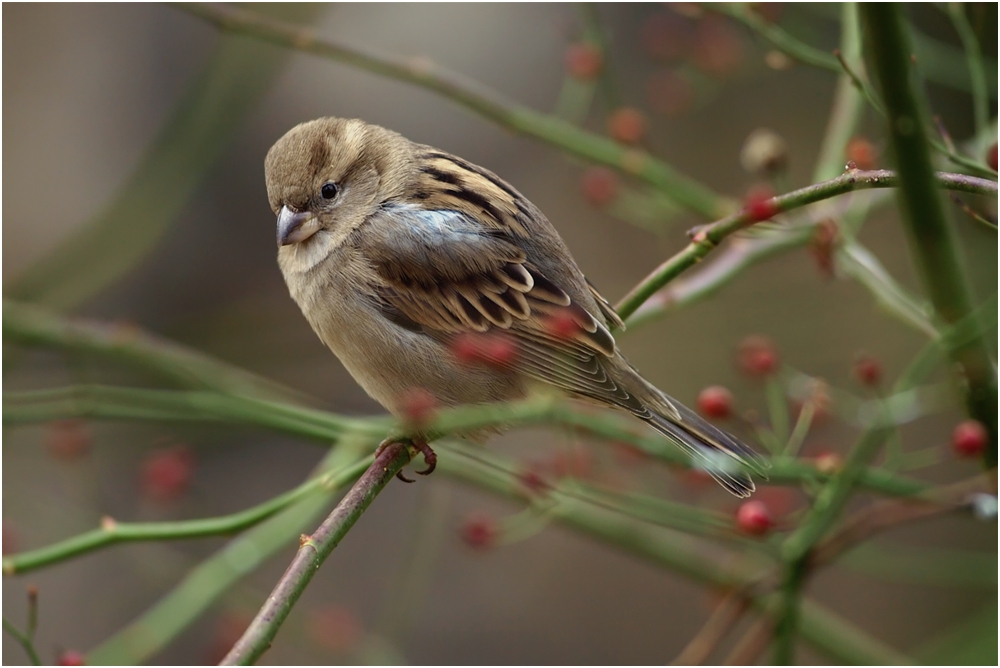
(401, 255)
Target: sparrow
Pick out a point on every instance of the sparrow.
(402, 256)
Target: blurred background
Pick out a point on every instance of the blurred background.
(87, 89)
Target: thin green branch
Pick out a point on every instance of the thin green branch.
(24, 641)
(775, 35)
(474, 96)
(710, 236)
(28, 325)
(128, 403)
(820, 627)
(200, 128)
(932, 239)
(111, 532)
(848, 105)
(974, 57)
(141, 639)
(313, 551)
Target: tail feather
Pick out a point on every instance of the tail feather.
(720, 454)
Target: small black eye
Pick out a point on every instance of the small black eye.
(329, 190)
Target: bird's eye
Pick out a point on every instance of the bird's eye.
(329, 190)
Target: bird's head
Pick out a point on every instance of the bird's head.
(329, 174)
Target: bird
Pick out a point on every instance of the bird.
(404, 258)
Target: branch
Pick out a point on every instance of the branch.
(142, 638)
(887, 514)
(169, 405)
(710, 236)
(198, 131)
(24, 641)
(472, 95)
(313, 551)
(28, 325)
(111, 532)
(774, 34)
(932, 239)
(974, 57)
(723, 619)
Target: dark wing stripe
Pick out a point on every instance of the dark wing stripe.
(546, 290)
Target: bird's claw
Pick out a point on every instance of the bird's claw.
(420, 445)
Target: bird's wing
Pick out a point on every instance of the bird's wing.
(445, 274)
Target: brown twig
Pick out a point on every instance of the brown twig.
(886, 514)
(313, 551)
(752, 644)
(722, 620)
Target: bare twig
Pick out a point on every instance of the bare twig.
(723, 618)
(752, 644)
(313, 551)
(886, 514)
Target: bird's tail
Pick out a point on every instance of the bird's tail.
(720, 454)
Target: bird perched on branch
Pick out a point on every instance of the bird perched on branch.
(412, 265)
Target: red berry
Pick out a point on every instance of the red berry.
(574, 463)
(9, 538)
(418, 406)
(496, 350)
(627, 125)
(823, 244)
(167, 473)
(669, 92)
(629, 455)
(754, 518)
(600, 186)
(665, 36)
(715, 402)
(229, 629)
(71, 657)
(584, 60)
(991, 156)
(868, 370)
(562, 325)
(760, 204)
(335, 628)
(969, 439)
(861, 152)
(480, 532)
(757, 356)
(718, 48)
(533, 481)
(769, 11)
(68, 439)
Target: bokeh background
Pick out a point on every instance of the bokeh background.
(87, 88)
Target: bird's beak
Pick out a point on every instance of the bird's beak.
(295, 227)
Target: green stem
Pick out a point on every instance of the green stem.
(141, 639)
(128, 403)
(774, 34)
(313, 551)
(423, 73)
(24, 641)
(974, 57)
(27, 325)
(201, 127)
(932, 239)
(848, 105)
(787, 614)
(710, 236)
(112, 532)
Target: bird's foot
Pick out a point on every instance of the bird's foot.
(420, 445)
